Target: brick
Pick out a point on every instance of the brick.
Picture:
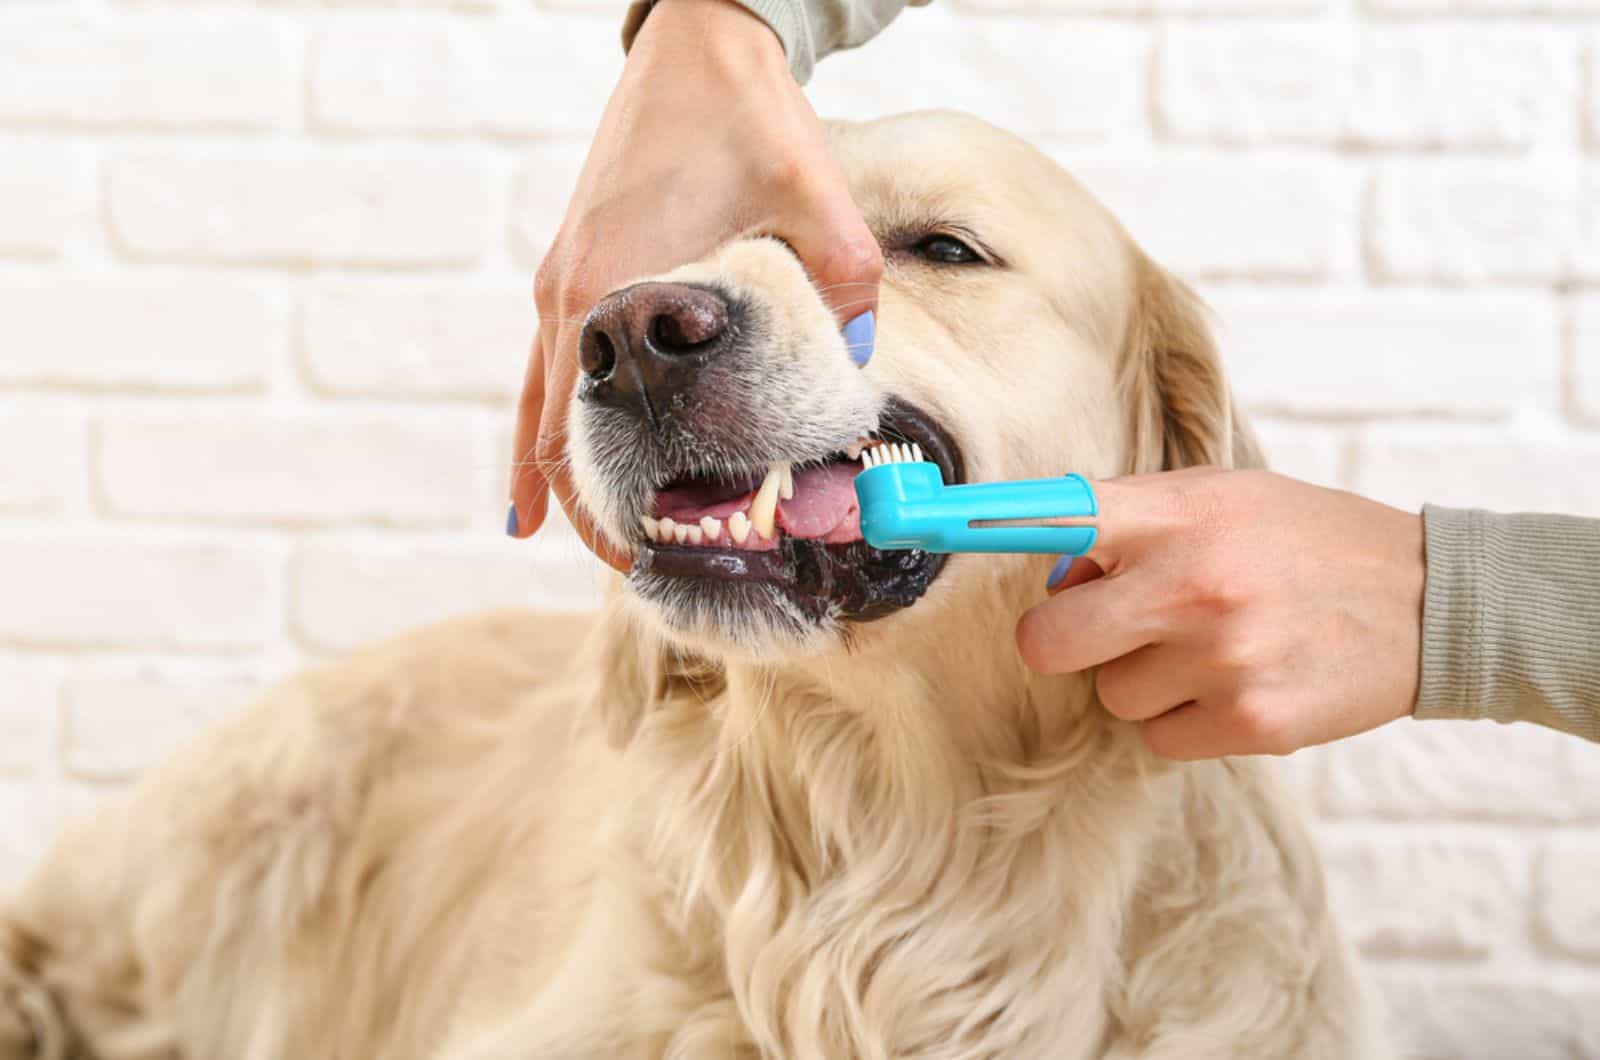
(1251, 82)
(30, 703)
(1226, 216)
(420, 342)
(1431, 770)
(1388, 353)
(1591, 76)
(432, 74)
(1483, 7)
(1427, 898)
(84, 330)
(1566, 901)
(119, 724)
(44, 466)
(84, 589)
(1487, 86)
(941, 59)
(288, 469)
(395, 209)
(1406, 467)
(1138, 7)
(43, 195)
(1307, 453)
(347, 593)
(540, 192)
(1584, 374)
(1586, 255)
(168, 69)
(1467, 222)
(1488, 1018)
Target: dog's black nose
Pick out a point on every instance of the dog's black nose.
(643, 345)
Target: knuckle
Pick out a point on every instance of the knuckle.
(1261, 725)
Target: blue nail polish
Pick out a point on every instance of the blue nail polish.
(859, 335)
(511, 521)
(1058, 572)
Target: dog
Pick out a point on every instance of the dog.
(786, 795)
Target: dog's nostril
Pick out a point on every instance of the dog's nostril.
(688, 325)
(597, 354)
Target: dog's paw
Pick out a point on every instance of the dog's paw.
(31, 1028)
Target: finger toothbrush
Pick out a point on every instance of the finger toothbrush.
(905, 504)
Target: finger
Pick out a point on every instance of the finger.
(842, 256)
(1150, 681)
(1089, 625)
(1191, 732)
(591, 534)
(1222, 725)
(1081, 570)
(1136, 511)
(529, 486)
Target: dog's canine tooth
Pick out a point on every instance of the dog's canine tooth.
(695, 534)
(649, 526)
(786, 483)
(764, 509)
(738, 527)
(853, 450)
(711, 528)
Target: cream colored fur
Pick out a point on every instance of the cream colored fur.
(518, 837)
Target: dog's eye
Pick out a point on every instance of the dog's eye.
(947, 250)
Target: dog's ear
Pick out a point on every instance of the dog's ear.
(1172, 380)
(640, 672)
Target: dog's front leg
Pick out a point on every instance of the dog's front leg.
(618, 994)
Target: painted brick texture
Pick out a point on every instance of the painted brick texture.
(265, 275)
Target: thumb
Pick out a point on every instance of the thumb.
(845, 263)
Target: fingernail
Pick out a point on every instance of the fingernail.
(511, 521)
(1059, 571)
(858, 337)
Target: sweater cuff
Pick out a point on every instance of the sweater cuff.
(1452, 613)
(787, 18)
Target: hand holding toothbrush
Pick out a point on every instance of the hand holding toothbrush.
(1239, 612)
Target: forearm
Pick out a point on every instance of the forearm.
(1511, 619)
(809, 29)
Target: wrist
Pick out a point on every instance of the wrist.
(715, 35)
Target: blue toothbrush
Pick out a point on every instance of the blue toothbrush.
(905, 504)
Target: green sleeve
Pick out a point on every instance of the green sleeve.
(1511, 619)
(809, 29)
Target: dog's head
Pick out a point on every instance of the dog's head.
(1020, 334)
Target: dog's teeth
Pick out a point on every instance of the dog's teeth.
(680, 533)
(738, 527)
(786, 483)
(711, 528)
(763, 510)
(694, 533)
(649, 526)
(853, 450)
(665, 529)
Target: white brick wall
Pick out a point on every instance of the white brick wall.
(264, 275)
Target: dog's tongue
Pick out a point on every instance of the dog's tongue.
(824, 504)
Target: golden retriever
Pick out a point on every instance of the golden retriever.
(789, 796)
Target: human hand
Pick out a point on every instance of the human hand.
(1240, 612)
(707, 138)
